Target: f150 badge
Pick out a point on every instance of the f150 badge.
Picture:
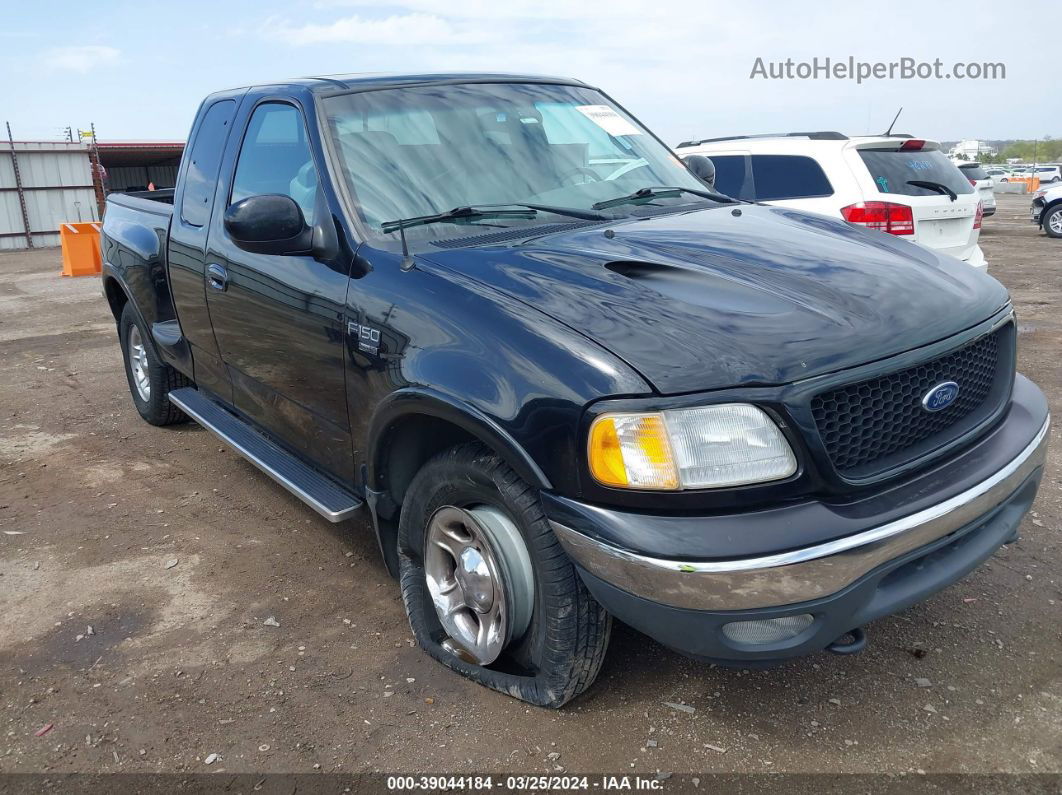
(941, 396)
(368, 337)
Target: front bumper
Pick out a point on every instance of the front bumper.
(882, 567)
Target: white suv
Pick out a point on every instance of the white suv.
(1047, 174)
(897, 184)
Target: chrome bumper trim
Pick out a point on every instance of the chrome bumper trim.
(803, 574)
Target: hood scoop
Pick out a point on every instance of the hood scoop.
(702, 288)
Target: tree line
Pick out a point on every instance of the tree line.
(1046, 150)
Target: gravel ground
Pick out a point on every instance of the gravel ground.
(138, 567)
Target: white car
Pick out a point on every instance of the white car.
(999, 174)
(1047, 174)
(897, 184)
(981, 180)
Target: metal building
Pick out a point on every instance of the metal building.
(47, 183)
(43, 184)
(133, 165)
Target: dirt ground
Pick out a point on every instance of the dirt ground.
(95, 506)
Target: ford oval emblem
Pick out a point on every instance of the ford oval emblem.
(941, 396)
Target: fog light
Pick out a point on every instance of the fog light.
(768, 630)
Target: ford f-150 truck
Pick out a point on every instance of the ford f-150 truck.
(565, 379)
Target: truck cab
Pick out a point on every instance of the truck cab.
(563, 379)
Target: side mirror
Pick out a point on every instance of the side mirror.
(269, 224)
(702, 168)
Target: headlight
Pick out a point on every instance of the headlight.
(708, 447)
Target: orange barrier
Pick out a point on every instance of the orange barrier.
(81, 249)
(1032, 184)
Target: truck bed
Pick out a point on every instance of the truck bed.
(157, 202)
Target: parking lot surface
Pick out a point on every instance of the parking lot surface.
(138, 566)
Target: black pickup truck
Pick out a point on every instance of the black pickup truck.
(567, 380)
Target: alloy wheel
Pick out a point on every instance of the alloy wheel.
(479, 575)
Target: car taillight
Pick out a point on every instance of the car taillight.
(973, 182)
(979, 216)
(896, 219)
(913, 144)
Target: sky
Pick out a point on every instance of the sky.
(139, 69)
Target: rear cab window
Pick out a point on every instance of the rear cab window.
(201, 177)
(892, 171)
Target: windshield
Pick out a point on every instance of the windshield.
(409, 152)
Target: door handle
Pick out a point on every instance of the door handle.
(217, 277)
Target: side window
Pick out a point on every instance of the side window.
(275, 157)
(201, 177)
(788, 177)
(729, 174)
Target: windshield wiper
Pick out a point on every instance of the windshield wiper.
(571, 212)
(457, 215)
(648, 194)
(476, 212)
(939, 187)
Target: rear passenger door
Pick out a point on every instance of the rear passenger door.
(279, 319)
(193, 207)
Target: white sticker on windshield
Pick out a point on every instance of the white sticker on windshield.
(608, 120)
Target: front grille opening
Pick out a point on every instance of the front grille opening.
(867, 425)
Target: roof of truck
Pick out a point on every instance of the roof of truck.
(374, 80)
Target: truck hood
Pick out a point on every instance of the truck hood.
(715, 298)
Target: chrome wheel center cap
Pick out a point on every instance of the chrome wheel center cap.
(474, 578)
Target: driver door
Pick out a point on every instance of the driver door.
(278, 319)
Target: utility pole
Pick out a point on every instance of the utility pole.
(19, 189)
(97, 173)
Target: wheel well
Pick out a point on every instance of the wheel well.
(116, 297)
(409, 444)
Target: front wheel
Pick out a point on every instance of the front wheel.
(150, 380)
(1052, 221)
(487, 587)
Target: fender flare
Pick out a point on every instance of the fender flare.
(425, 402)
(432, 403)
(109, 274)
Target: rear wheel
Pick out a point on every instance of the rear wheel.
(488, 589)
(150, 380)
(1052, 221)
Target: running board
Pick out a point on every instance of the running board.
(330, 500)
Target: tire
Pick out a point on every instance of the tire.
(560, 653)
(1051, 221)
(153, 403)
